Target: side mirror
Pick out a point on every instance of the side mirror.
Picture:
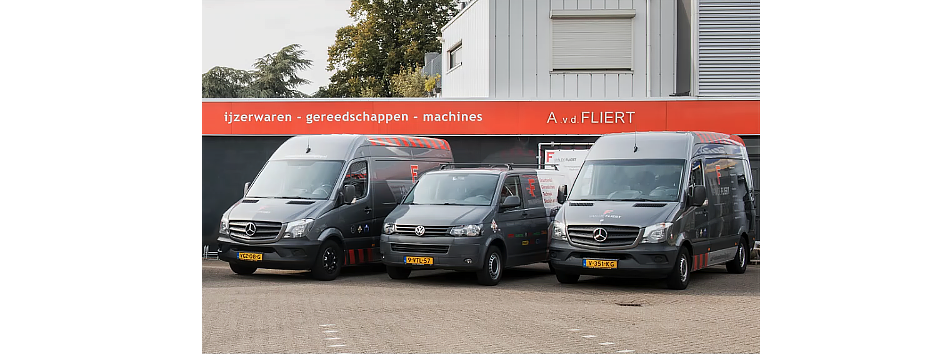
(510, 202)
(696, 196)
(350, 192)
(247, 187)
(563, 194)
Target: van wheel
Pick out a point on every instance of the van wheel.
(243, 270)
(490, 274)
(329, 261)
(681, 273)
(567, 278)
(398, 272)
(737, 265)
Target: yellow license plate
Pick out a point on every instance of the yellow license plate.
(244, 256)
(597, 263)
(419, 260)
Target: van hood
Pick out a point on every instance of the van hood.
(439, 215)
(276, 210)
(623, 213)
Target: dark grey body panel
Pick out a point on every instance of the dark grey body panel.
(388, 175)
(521, 231)
(712, 232)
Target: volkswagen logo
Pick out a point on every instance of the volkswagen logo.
(600, 235)
(250, 229)
(419, 230)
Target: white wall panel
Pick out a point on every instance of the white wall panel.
(471, 78)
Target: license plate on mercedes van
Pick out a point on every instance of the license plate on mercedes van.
(600, 264)
(419, 260)
(245, 256)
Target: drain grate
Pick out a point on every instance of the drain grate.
(634, 305)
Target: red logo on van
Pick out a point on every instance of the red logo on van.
(414, 173)
(531, 188)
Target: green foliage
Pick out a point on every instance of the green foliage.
(387, 35)
(275, 76)
(431, 83)
(410, 82)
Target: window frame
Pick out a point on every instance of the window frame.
(452, 56)
(566, 15)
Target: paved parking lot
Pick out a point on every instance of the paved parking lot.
(363, 311)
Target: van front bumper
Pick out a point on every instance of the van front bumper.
(291, 254)
(458, 250)
(643, 261)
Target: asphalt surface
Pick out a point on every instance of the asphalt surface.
(364, 311)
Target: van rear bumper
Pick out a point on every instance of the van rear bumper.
(459, 249)
(643, 261)
(291, 254)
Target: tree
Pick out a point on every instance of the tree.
(410, 82)
(387, 35)
(276, 76)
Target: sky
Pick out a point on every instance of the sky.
(237, 32)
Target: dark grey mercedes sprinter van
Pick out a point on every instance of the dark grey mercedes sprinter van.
(656, 205)
(470, 219)
(319, 202)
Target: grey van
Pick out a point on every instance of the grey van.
(656, 205)
(469, 219)
(319, 202)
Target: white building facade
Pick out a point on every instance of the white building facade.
(602, 49)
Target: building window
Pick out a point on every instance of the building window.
(592, 39)
(454, 55)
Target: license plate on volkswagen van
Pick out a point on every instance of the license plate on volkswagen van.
(419, 260)
(245, 256)
(599, 263)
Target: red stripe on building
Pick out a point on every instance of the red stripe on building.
(352, 261)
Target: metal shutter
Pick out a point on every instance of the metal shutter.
(728, 39)
(592, 43)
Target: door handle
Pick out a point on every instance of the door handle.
(367, 210)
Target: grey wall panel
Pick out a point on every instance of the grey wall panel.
(543, 45)
(655, 40)
(516, 68)
(668, 45)
(584, 4)
(639, 46)
(530, 49)
(570, 4)
(683, 52)
(626, 86)
(571, 86)
(598, 87)
(612, 4)
(626, 4)
(492, 44)
(473, 77)
(502, 49)
(556, 86)
(584, 86)
(597, 4)
(554, 4)
(611, 86)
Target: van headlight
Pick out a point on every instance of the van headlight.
(298, 228)
(656, 233)
(466, 230)
(388, 228)
(223, 227)
(558, 231)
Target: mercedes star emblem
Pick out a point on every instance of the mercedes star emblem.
(600, 235)
(250, 229)
(419, 230)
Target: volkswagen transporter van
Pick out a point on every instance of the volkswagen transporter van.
(319, 202)
(656, 205)
(471, 219)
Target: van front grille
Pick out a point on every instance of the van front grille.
(264, 230)
(408, 230)
(616, 235)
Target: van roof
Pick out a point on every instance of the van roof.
(346, 146)
(658, 145)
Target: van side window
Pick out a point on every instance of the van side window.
(510, 188)
(696, 173)
(533, 192)
(356, 175)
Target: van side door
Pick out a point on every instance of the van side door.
(721, 189)
(356, 221)
(511, 221)
(536, 220)
(697, 229)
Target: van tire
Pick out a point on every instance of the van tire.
(398, 272)
(490, 274)
(242, 270)
(567, 278)
(738, 264)
(329, 261)
(680, 275)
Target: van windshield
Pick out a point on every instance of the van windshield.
(629, 180)
(297, 179)
(453, 189)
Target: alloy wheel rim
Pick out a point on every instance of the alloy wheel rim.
(683, 269)
(741, 255)
(330, 260)
(493, 268)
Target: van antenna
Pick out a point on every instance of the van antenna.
(308, 148)
(635, 148)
